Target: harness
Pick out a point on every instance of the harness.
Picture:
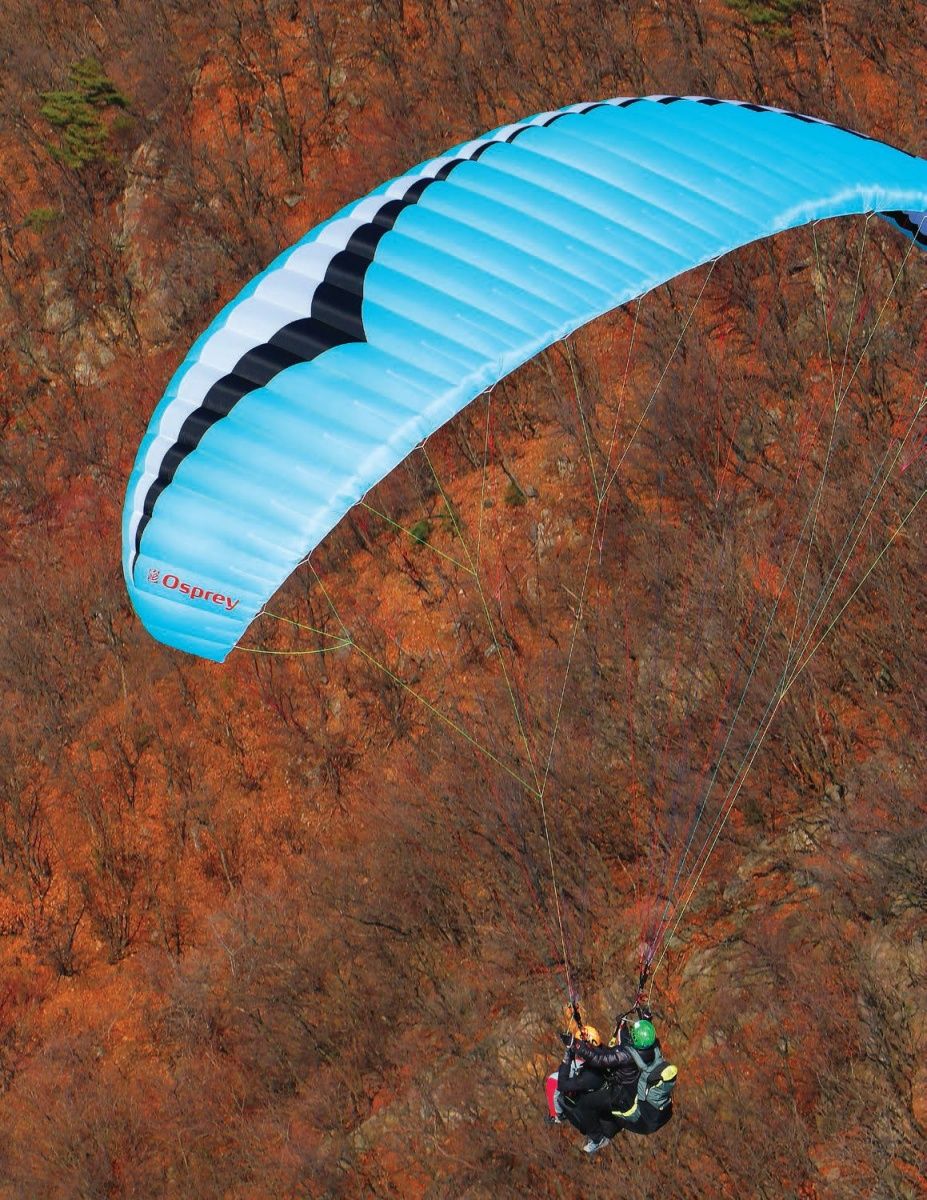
(655, 1083)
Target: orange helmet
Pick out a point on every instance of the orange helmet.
(586, 1033)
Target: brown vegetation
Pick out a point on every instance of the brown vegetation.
(275, 928)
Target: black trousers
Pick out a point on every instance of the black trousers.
(591, 1113)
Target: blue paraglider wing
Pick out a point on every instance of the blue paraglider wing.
(382, 323)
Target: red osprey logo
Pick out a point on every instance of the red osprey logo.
(174, 583)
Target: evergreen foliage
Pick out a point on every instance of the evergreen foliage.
(39, 219)
(770, 16)
(77, 114)
(420, 531)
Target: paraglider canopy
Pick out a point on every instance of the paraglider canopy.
(379, 325)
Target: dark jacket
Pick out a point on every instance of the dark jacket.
(618, 1067)
(574, 1083)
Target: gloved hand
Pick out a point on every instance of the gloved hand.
(566, 1038)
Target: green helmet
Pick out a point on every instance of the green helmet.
(643, 1035)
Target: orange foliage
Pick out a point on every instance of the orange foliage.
(275, 928)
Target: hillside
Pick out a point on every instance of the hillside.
(303, 924)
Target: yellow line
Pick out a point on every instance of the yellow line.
(839, 395)
(614, 475)
(582, 418)
(415, 538)
(843, 607)
(492, 630)
(300, 625)
(443, 717)
(288, 653)
(732, 798)
(348, 640)
(828, 590)
(479, 527)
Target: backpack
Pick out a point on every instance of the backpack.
(655, 1084)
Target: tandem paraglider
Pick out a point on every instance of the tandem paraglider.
(337, 362)
(602, 1090)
